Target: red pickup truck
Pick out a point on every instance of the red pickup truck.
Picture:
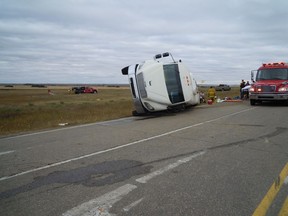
(84, 89)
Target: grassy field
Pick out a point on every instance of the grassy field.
(26, 108)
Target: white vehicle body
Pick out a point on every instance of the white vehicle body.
(157, 85)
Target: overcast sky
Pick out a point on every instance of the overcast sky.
(90, 41)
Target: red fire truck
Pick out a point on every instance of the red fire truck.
(270, 83)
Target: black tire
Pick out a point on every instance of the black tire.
(134, 113)
(252, 102)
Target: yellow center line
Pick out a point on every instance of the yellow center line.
(284, 209)
(264, 205)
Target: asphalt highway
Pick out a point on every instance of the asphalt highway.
(220, 159)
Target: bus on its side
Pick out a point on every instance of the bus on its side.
(158, 85)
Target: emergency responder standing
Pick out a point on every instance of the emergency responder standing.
(242, 85)
(211, 93)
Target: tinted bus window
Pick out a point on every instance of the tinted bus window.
(173, 83)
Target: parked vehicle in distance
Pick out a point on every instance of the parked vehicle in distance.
(270, 84)
(223, 87)
(84, 89)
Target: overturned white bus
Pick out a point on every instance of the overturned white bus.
(158, 85)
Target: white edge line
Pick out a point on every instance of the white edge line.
(64, 128)
(119, 147)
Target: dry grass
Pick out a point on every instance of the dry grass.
(24, 108)
(28, 109)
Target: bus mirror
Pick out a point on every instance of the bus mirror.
(252, 75)
(125, 70)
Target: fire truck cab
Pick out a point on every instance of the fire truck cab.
(270, 83)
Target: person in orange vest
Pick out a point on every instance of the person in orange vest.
(211, 93)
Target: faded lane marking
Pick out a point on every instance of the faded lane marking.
(127, 208)
(102, 204)
(121, 146)
(148, 177)
(264, 205)
(6, 152)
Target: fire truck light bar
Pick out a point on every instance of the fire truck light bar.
(273, 64)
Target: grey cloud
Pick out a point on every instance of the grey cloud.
(91, 40)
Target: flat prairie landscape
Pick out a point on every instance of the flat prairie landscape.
(25, 108)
